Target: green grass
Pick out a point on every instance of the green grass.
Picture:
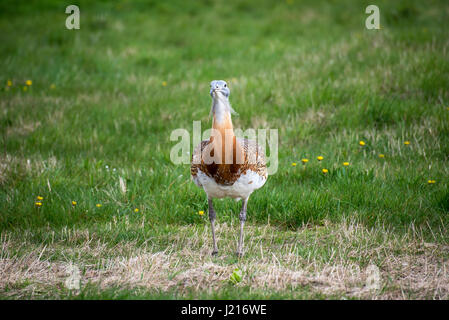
(307, 68)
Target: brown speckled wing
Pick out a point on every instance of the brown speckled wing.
(227, 174)
(197, 162)
(254, 157)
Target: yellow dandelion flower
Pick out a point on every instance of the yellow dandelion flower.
(38, 203)
(431, 181)
(201, 213)
(40, 198)
(362, 143)
(294, 164)
(9, 83)
(164, 83)
(381, 155)
(304, 161)
(73, 203)
(28, 82)
(52, 86)
(325, 171)
(346, 164)
(25, 88)
(319, 158)
(98, 205)
(136, 210)
(406, 143)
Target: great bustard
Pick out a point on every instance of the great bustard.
(226, 166)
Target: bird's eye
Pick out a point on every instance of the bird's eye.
(225, 85)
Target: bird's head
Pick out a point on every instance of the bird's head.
(219, 89)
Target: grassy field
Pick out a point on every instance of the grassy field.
(104, 99)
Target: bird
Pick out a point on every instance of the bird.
(226, 166)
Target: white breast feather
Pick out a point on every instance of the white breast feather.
(241, 189)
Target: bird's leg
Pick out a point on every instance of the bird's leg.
(212, 216)
(242, 217)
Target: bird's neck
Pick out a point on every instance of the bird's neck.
(222, 135)
(222, 122)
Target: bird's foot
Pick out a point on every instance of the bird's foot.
(215, 252)
(239, 254)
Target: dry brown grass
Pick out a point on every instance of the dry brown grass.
(332, 260)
